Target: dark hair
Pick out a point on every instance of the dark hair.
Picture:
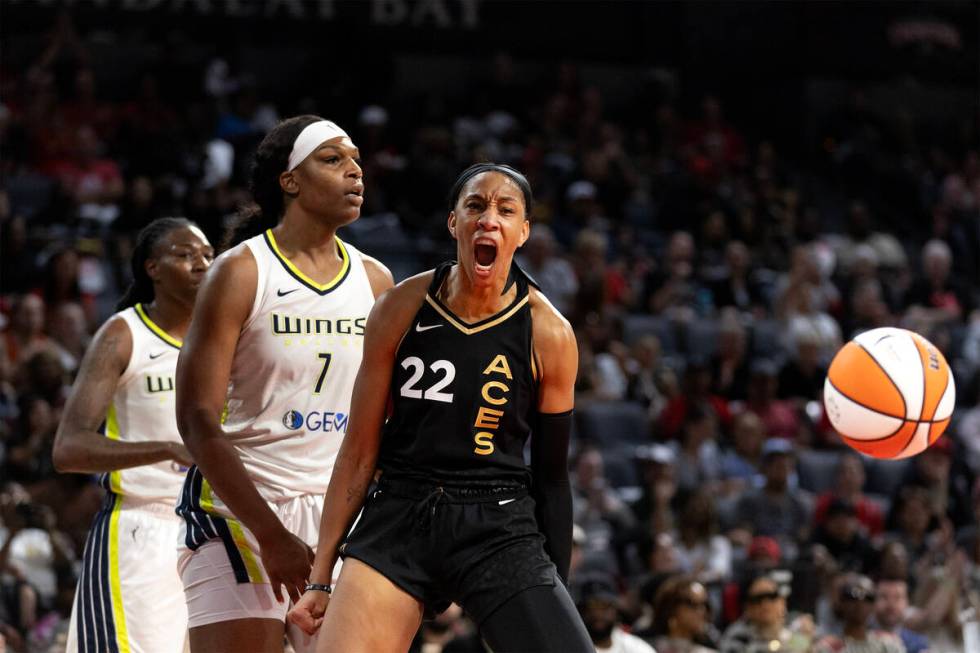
(141, 288)
(271, 159)
(478, 168)
(673, 593)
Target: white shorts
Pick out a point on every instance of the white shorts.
(223, 577)
(129, 595)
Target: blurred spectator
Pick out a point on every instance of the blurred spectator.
(774, 510)
(553, 273)
(597, 509)
(68, 329)
(597, 602)
(891, 611)
(704, 553)
(763, 626)
(697, 457)
(937, 294)
(651, 382)
(681, 617)
(695, 391)
(730, 365)
(848, 485)
(945, 478)
(912, 519)
(673, 289)
(741, 465)
(94, 183)
(779, 416)
(802, 376)
(25, 334)
(856, 609)
(839, 533)
(736, 287)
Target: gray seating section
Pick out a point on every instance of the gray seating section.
(637, 326)
(613, 423)
(816, 469)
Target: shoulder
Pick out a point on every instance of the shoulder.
(551, 329)
(395, 307)
(115, 330)
(235, 269)
(379, 276)
(113, 342)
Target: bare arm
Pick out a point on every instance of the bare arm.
(356, 461)
(203, 370)
(379, 276)
(557, 355)
(78, 445)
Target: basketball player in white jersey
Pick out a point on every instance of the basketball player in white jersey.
(129, 595)
(266, 375)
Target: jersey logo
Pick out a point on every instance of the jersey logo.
(283, 294)
(153, 357)
(419, 328)
(505, 502)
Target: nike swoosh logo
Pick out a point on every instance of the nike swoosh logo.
(505, 502)
(420, 328)
(283, 294)
(156, 356)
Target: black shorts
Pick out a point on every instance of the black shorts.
(477, 546)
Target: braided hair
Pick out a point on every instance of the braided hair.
(271, 160)
(141, 288)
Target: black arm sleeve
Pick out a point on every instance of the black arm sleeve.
(550, 488)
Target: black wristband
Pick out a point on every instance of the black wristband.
(319, 587)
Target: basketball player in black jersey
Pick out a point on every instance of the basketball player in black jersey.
(476, 360)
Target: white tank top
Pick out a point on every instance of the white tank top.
(293, 372)
(143, 409)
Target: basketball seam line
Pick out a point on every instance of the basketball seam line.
(883, 414)
(905, 407)
(922, 406)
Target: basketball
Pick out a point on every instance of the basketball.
(889, 393)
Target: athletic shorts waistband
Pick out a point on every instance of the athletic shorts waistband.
(477, 492)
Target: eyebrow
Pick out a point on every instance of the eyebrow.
(354, 152)
(500, 198)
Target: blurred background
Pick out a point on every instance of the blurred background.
(726, 193)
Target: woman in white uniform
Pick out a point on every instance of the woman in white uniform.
(265, 382)
(120, 421)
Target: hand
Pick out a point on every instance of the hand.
(180, 454)
(307, 614)
(287, 561)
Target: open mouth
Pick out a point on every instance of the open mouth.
(484, 253)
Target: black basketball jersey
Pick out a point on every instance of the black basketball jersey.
(464, 395)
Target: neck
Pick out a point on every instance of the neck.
(300, 231)
(856, 631)
(170, 314)
(474, 303)
(769, 631)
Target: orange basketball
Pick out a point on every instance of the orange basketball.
(889, 393)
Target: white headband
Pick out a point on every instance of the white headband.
(312, 136)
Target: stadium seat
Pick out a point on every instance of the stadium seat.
(816, 469)
(620, 467)
(612, 423)
(701, 338)
(884, 476)
(637, 326)
(766, 340)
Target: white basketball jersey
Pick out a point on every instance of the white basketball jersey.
(143, 409)
(293, 371)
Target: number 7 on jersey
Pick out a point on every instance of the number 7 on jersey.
(323, 372)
